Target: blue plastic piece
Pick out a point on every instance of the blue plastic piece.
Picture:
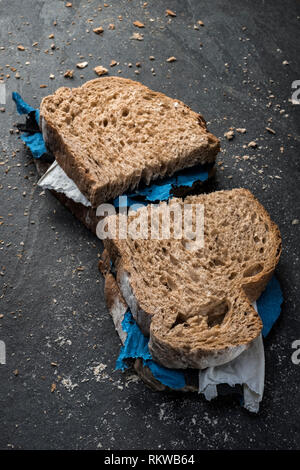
(136, 345)
(162, 190)
(269, 305)
(34, 142)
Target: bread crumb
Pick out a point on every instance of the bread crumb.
(252, 144)
(20, 47)
(229, 135)
(113, 63)
(82, 65)
(69, 5)
(138, 24)
(69, 73)
(111, 26)
(98, 30)
(170, 13)
(200, 23)
(171, 59)
(295, 221)
(53, 387)
(100, 70)
(270, 130)
(241, 130)
(137, 36)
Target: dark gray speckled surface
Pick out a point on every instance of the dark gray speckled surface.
(53, 312)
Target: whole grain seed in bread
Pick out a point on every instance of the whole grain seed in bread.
(111, 133)
(196, 305)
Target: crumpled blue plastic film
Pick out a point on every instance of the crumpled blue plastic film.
(269, 305)
(136, 346)
(35, 141)
(162, 190)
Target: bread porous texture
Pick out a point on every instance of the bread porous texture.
(196, 305)
(112, 133)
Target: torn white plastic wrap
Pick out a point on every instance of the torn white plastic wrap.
(248, 370)
(56, 179)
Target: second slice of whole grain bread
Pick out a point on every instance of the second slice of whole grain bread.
(196, 304)
(112, 133)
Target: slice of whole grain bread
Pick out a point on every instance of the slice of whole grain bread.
(112, 133)
(196, 305)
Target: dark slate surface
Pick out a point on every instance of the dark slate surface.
(53, 312)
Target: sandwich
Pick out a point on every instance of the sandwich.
(115, 136)
(112, 135)
(193, 307)
(181, 309)
(195, 303)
